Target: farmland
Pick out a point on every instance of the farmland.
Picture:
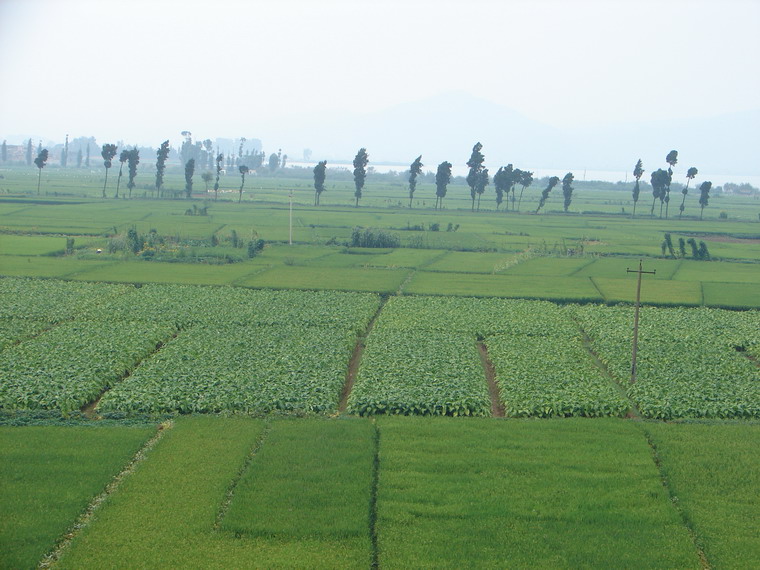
(399, 492)
(280, 380)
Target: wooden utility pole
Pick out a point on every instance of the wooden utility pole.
(636, 318)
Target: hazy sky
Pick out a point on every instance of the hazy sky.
(142, 71)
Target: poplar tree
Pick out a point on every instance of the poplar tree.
(29, 153)
(360, 172)
(442, 179)
(123, 157)
(219, 163)
(526, 179)
(414, 171)
(553, 181)
(189, 171)
(320, 173)
(475, 164)
(243, 171)
(671, 159)
(133, 159)
(567, 189)
(638, 172)
(690, 175)
(704, 197)
(161, 155)
(4, 152)
(501, 182)
(40, 163)
(659, 181)
(108, 151)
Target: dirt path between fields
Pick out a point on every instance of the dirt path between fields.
(497, 407)
(356, 358)
(89, 409)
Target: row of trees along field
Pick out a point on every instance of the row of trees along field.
(661, 180)
(505, 181)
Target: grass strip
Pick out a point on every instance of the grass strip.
(484, 493)
(713, 474)
(48, 476)
(164, 515)
(311, 478)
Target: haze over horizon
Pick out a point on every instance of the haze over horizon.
(588, 83)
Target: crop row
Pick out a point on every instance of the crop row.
(435, 373)
(245, 369)
(688, 364)
(69, 365)
(551, 376)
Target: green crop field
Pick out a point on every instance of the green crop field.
(398, 492)
(279, 372)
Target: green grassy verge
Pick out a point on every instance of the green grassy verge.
(523, 494)
(328, 278)
(163, 515)
(48, 476)
(712, 470)
(479, 285)
(312, 480)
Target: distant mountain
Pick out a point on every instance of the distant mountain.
(446, 126)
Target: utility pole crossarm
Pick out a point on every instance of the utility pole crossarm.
(640, 271)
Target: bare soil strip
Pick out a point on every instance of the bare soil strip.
(703, 562)
(497, 408)
(89, 409)
(230, 494)
(356, 358)
(87, 515)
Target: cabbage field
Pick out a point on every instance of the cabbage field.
(206, 349)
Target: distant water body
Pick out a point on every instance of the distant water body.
(679, 175)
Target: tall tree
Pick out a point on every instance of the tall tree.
(133, 159)
(87, 160)
(40, 163)
(123, 157)
(108, 151)
(189, 171)
(567, 189)
(671, 159)
(659, 180)
(274, 162)
(516, 177)
(79, 158)
(414, 170)
(638, 172)
(475, 164)
(29, 153)
(243, 169)
(481, 183)
(553, 181)
(442, 179)
(690, 175)
(161, 155)
(360, 172)
(704, 196)
(219, 164)
(4, 152)
(526, 179)
(320, 173)
(501, 182)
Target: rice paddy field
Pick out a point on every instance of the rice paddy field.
(186, 389)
